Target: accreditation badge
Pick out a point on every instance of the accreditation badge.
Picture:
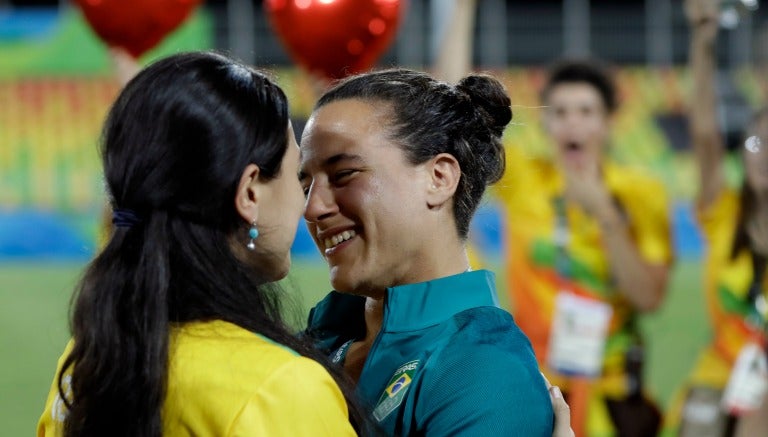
(579, 332)
(748, 383)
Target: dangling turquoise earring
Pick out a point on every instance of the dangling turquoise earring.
(253, 233)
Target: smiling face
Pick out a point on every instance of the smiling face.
(578, 121)
(363, 198)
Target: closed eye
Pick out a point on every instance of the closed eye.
(342, 175)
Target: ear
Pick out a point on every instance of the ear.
(248, 193)
(443, 179)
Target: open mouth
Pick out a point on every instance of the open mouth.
(335, 240)
(573, 146)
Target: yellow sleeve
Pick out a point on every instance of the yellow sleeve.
(299, 399)
(651, 222)
(718, 219)
(52, 420)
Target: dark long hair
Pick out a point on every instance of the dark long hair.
(747, 205)
(174, 146)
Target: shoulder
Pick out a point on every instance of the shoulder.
(725, 206)
(718, 219)
(299, 398)
(484, 375)
(488, 342)
(222, 376)
(634, 180)
(54, 413)
(643, 196)
(216, 357)
(489, 333)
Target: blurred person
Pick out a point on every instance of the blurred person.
(588, 250)
(393, 165)
(725, 393)
(176, 329)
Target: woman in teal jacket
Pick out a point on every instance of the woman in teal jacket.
(393, 166)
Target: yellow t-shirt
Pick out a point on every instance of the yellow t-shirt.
(226, 381)
(726, 279)
(528, 192)
(726, 283)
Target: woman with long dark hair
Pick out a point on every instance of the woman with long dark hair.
(176, 327)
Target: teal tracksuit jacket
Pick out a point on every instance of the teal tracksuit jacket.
(447, 361)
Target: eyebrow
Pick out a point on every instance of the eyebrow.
(335, 159)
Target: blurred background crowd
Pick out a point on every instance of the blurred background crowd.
(58, 79)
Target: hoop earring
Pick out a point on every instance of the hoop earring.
(253, 233)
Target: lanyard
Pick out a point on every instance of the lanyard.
(563, 264)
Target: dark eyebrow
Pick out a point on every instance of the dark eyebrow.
(335, 159)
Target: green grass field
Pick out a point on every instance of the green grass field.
(34, 301)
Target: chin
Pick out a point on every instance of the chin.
(354, 285)
(278, 271)
(340, 282)
(343, 282)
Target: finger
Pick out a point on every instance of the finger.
(562, 414)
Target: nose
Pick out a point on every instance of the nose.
(320, 203)
(572, 119)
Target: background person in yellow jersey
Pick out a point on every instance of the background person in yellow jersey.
(588, 248)
(176, 329)
(721, 397)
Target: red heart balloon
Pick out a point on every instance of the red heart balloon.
(135, 25)
(335, 38)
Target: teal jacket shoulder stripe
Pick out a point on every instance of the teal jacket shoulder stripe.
(448, 360)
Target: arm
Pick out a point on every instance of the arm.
(706, 137)
(454, 57)
(125, 65)
(641, 281)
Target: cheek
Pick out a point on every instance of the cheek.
(294, 196)
(356, 199)
(756, 170)
(602, 128)
(553, 126)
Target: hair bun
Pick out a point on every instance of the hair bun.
(490, 98)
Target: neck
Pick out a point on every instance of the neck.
(374, 303)
(374, 317)
(446, 256)
(438, 257)
(757, 228)
(761, 202)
